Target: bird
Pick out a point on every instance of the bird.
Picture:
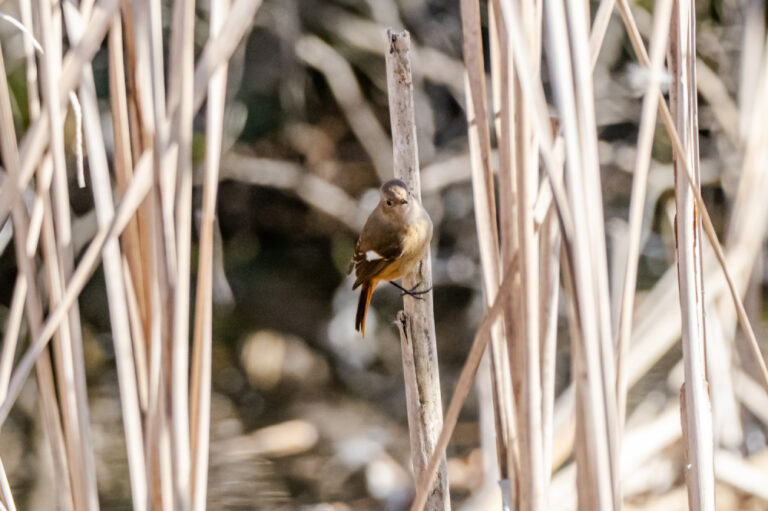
(394, 238)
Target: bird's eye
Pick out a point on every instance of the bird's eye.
(389, 202)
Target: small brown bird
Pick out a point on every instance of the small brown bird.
(393, 240)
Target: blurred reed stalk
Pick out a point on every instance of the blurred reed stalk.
(144, 241)
(417, 321)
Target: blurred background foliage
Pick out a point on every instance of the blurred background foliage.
(305, 413)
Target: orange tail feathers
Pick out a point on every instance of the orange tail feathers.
(362, 305)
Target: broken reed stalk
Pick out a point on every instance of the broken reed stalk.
(416, 323)
(696, 409)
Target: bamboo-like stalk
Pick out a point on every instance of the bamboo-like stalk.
(696, 408)
(203, 335)
(416, 322)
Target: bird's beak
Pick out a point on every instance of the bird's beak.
(405, 201)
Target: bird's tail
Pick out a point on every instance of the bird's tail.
(362, 306)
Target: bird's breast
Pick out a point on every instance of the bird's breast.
(416, 238)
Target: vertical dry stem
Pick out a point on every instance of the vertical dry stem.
(697, 413)
(416, 322)
(203, 335)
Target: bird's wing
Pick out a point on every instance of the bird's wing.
(378, 246)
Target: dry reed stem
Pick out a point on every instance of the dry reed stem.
(663, 11)
(416, 323)
(696, 408)
(501, 386)
(131, 241)
(201, 362)
(464, 383)
(138, 343)
(485, 220)
(180, 114)
(578, 24)
(530, 410)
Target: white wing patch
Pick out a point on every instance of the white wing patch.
(372, 255)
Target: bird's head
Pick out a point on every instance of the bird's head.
(395, 197)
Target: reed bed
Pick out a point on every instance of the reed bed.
(552, 225)
(143, 235)
(567, 330)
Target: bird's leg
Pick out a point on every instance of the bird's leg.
(411, 292)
